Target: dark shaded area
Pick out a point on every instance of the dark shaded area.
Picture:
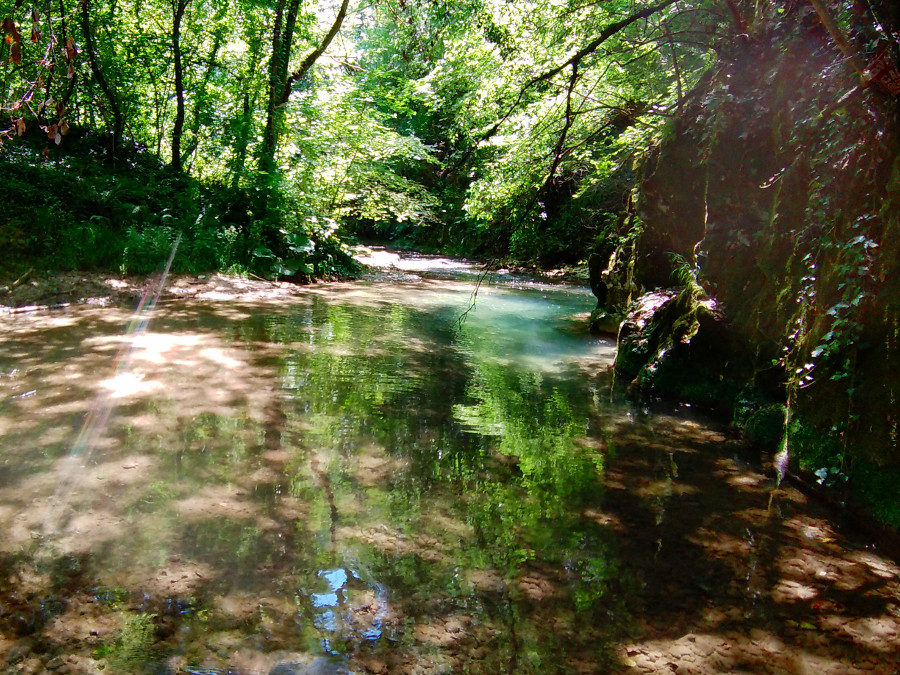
(774, 197)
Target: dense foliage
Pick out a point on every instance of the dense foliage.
(477, 125)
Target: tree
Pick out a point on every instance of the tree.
(178, 8)
(281, 82)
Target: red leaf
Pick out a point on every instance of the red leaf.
(35, 35)
(15, 53)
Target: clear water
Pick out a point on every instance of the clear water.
(370, 479)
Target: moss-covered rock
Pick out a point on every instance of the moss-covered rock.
(606, 323)
(677, 345)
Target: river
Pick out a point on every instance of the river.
(424, 471)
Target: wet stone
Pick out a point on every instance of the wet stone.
(17, 653)
(55, 663)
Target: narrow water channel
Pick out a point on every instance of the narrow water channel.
(396, 475)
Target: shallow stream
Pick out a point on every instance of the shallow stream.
(396, 475)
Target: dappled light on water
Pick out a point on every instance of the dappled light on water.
(362, 479)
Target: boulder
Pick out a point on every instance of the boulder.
(675, 344)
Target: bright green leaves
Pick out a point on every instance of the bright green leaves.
(459, 116)
(491, 86)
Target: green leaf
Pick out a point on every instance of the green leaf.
(299, 243)
(290, 267)
(262, 252)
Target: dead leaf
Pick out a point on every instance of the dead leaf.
(15, 53)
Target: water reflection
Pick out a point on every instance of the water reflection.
(363, 482)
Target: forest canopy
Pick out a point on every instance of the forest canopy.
(486, 126)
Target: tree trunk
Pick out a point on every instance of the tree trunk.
(243, 138)
(108, 92)
(178, 9)
(250, 96)
(199, 101)
(280, 83)
(282, 39)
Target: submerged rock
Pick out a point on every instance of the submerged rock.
(321, 665)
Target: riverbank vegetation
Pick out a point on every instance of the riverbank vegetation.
(729, 168)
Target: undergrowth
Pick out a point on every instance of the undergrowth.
(74, 210)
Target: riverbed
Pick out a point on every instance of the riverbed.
(429, 470)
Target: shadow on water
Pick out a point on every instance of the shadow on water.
(360, 482)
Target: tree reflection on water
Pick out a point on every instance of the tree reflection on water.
(361, 478)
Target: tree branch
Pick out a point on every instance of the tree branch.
(573, 61)
(594, 44)
(314, 55)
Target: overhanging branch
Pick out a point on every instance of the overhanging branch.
(314, 55)
(572, 62)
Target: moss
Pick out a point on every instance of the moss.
(632, 355)
(682, 349)
(603, 322)
(690, 381)
(814, 450)
(133, 649)
(760, 419)
(877, 488)
(823, 454)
